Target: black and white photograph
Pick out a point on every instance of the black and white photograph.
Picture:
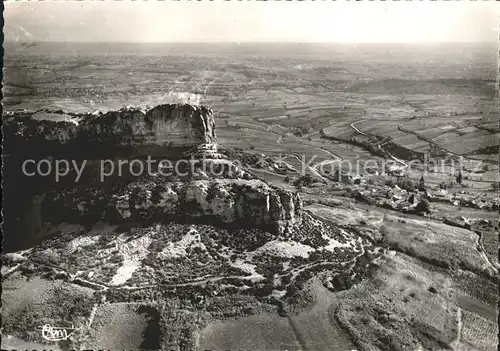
(250, 175)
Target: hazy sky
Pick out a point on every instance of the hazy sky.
(217, 21)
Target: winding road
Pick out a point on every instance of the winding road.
(353, 126)
(312, 169)
(337, 159)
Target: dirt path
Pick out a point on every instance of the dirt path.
(312, 170)
(420, 137)
(475, 306)
(327, 162)
(405, 165)
(356, 128)
(482, 252)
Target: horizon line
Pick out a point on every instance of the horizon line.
(249, 42)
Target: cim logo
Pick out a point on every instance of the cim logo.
(51, 333)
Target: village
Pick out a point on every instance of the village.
(452, 201)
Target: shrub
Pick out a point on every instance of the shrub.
(305, 180)
(423, 206)
(406, 184)
(341, 282)
(432, 290)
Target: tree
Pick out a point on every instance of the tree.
(305, 180)
(459, 178)
(405, 183)
(424, 206)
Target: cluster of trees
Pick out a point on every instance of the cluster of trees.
(268, 266)
(301, 131)
(305, 275)
(402, 182)
(306, 180)
(178, 329)
(424, 206)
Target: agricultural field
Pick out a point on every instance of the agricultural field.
(311, 328)
(278, 104)
(400, 294)
(466, 143)
(415, 238)
(265, 331)
(119, 325)
(478, 331)
(45, 302)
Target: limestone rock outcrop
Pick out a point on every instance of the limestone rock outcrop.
(166, 127)
(198, 185)
(249, 203)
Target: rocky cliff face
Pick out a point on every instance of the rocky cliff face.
(237, 203)
(206, 188)
(166, 127)
(248, 203)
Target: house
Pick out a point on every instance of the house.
(395, 170)
(343, 177)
